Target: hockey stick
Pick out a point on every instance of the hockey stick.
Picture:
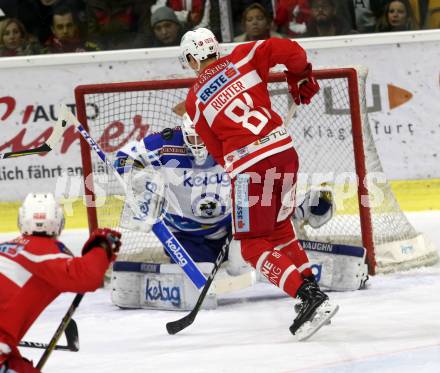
(174, 327)
(290, 113)
(50, 143)
(170, 243)
(72, 339)
(61, 328)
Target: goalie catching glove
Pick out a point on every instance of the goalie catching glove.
(302, 86)
(105, 238)
(317, 207)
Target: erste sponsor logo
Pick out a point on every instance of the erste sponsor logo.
(215, 84)
(11, 249)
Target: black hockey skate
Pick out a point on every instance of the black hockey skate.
(298, 305)
(315, 311)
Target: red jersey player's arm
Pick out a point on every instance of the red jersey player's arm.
(211, 141)
(76, 275)
(275, 51)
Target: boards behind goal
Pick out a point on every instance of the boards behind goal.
(332, 137)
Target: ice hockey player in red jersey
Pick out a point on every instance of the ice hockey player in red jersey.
(35, 268)
(230, 107)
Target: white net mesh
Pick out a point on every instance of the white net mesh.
(322, 134)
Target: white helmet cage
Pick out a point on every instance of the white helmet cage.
(40, 213)
(201, 44)
(193, 141)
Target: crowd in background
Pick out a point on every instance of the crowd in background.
(57, 26)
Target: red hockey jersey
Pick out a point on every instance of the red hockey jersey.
(230, 106)
(34, 270)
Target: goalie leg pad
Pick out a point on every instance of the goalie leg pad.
(156, 286)
(337, 267)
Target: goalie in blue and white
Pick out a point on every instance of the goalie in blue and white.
(195, 205)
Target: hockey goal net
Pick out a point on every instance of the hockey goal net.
(332, 137)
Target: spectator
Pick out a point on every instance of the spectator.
(291, 17)
(167, 30)
(116, 24)
(15, 40)
(188, 13)
(239, 6)
(66, 36)
(194, 13)
(397, 16)
(256, 22)
(45, 11)
(324, 20)
(26, 11)
(367, 13)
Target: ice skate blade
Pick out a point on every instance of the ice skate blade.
(297, 311)
(322, 317)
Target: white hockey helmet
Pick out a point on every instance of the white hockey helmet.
(193, 141)
(201, 44)
(40, 213)
(129, 156)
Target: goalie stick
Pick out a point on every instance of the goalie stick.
(61, 328)
(170, 243)
(50, 143)
(174, 327)
(72, 339)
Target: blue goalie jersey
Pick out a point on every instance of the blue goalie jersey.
(197, 197)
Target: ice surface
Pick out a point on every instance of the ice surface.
(393, 326)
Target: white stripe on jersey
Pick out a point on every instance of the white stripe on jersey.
(249, 56)
(197, 114)
(14, 271)
(42, 258)
(227, 94)
(240, 63)
(252, 160)
(260, 261)
(304, 266)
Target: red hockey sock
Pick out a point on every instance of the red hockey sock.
(298, 256)
(279, 270)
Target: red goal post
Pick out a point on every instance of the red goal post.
(331, 135)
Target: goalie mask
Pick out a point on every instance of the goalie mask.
(201, 44)
(193, 141)
(40, 214)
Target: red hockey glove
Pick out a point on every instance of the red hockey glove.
(106, 238)
(302, 86)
